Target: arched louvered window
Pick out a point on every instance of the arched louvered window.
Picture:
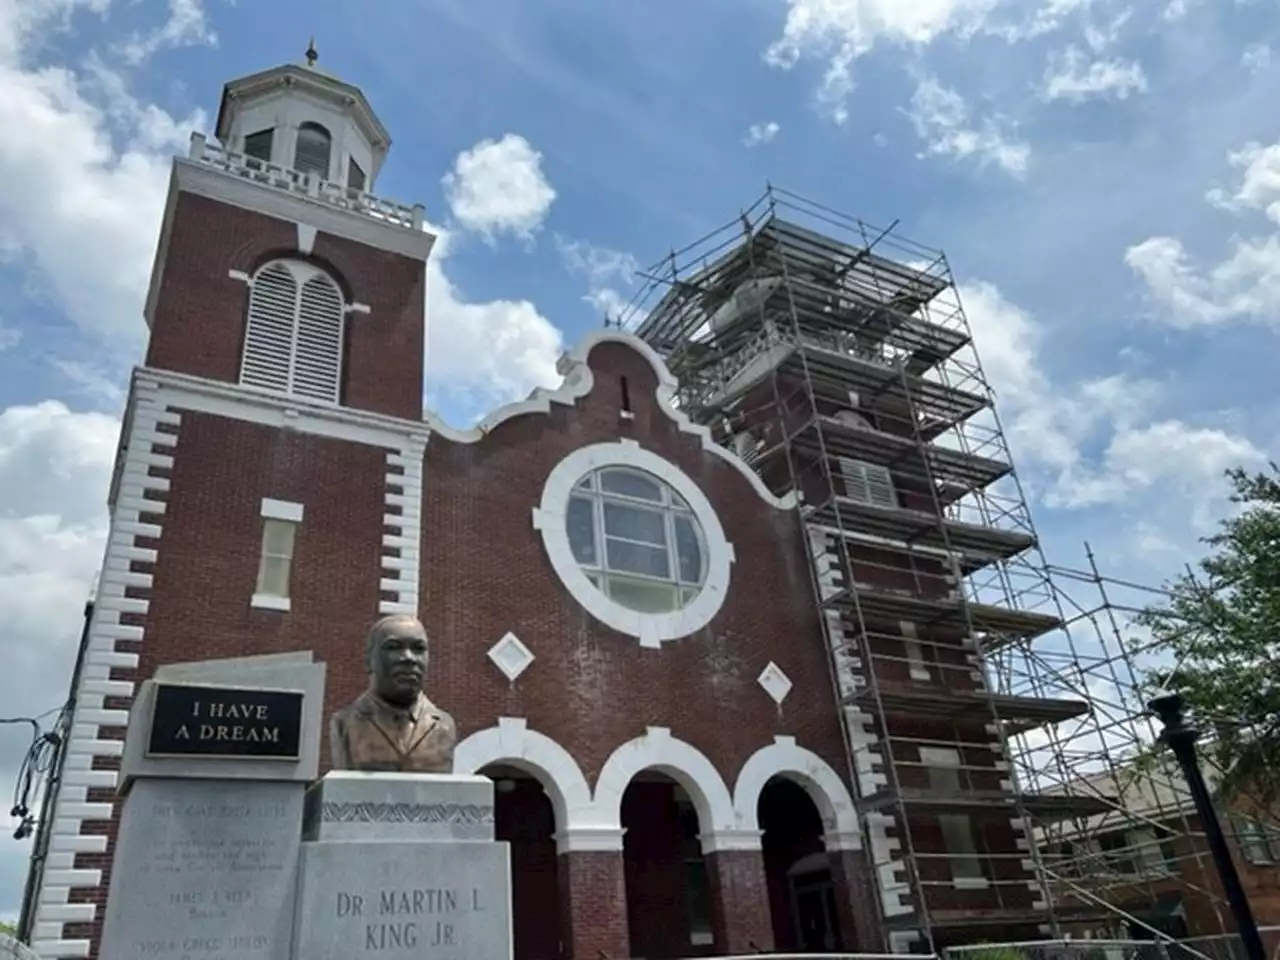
(293, 337)
(311, 155)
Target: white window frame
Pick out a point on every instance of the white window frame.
(550, 519)
(861, 481)
(302, 273)
(669, 507)
(274, 513)
(966, 864)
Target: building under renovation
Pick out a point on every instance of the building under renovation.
(747, 620)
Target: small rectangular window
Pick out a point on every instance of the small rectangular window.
(257, 146)
(355, 176)
(275, 563)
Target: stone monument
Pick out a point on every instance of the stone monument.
(216, 762)
(230, 849)
(398, 856)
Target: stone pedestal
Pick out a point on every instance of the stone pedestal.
(215, 765)
(402, 866)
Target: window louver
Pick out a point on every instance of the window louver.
(868, 483)
(293, 338)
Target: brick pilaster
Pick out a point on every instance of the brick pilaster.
(593, 905)
(740, 918)
(857, 913)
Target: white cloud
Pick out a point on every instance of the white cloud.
(943, 120)
(610, 275)
(187, 26)
(1256, 57)
(1094, 442)
(10, 337)
(1259, 186)
(486, 352)
(498, 187)
(840, 31)
(1243, 286)
(759, 133)
(54, 469)
(1075, 76)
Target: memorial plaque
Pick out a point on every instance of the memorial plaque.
(404, 901)
(204, 874)
(192, 721)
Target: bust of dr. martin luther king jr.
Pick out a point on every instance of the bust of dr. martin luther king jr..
(392, 726)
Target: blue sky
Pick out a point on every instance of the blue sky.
(1104, 176)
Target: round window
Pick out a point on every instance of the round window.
(636, 539)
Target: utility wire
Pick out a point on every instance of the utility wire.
(36, 764)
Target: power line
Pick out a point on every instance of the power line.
(36, 763)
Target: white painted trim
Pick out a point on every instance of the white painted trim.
(306, 238)
(658, 750)
(402, 538)
(282, 510)
(180, 391)
(589, 840)
(652, 629)
(266, 601)
(512, 742)
(578, 380)
(970, 883)
(143, 446)
(784, 758)
(729, 840)
(207, 181)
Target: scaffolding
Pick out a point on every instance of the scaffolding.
(989, 719)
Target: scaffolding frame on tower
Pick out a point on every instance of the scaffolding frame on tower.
(836, 359)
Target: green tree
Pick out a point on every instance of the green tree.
(1221, 625)
(9, 928)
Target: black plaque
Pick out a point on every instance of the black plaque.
(225, 722)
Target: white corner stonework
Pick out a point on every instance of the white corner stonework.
(775, 682)
(549, 518)
(511, 656)
(402, 528)
(148, 441)
(281, 510)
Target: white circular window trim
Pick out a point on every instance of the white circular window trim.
(651, 629)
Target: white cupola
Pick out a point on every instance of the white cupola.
(301, 118)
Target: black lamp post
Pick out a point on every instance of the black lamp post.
(1181, 739)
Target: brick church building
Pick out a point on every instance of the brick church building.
(729, 705)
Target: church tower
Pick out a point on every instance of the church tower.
(266, 490)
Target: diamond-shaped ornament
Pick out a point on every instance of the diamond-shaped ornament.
(511, 656)
(776, 683)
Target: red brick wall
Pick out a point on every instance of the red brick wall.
(485, 572)
(198, 325)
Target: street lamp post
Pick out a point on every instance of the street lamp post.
(1181, 739)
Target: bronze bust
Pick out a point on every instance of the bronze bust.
(392, 726)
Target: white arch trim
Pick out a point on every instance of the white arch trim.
(784, 758)
(512, 742)
(683, 762)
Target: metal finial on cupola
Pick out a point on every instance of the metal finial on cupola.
(312, 54)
